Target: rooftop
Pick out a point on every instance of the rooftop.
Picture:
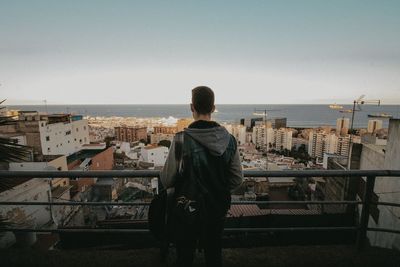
(83, 154)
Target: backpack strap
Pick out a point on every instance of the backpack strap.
(179, 142)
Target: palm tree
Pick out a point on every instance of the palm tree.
(9, 151)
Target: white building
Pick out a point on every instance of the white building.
(238, 131)
(321, 143)
(316, 144)
(263, 136)
(283, 139)
(374, 125)
(154, 154)
(342, 126)
(330, 142)
(63, 138)
(343, 143)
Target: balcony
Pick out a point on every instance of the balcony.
(278, 237)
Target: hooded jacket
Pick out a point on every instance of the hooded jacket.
(213, 137)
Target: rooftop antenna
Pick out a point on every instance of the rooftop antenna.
(357, 104)
(45, 107)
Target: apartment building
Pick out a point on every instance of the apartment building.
(130, 134)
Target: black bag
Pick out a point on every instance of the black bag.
(157, 215)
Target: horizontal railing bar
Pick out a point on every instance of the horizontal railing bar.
(111, 230)
(289, 229)
(77, 174)
(155, 173)
(77, 203)
(234, 230)
(384, 230)
(391, 204)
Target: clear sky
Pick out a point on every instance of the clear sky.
(150, 52)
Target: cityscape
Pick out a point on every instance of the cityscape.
(200, 133)
(70, 142)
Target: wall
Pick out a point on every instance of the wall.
(387, 188)
(26, 216)
(103, 160)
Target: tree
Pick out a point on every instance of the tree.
(108, 140)
(144, 141)
(9, 151)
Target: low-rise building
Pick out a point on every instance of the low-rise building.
(156, 155)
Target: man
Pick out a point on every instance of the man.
(203, 166)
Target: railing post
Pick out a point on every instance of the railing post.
(362, 229)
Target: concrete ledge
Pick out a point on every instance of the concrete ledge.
(265, 256)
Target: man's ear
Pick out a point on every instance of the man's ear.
(191, 107)
(213, 109)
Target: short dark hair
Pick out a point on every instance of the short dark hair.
(203, 99)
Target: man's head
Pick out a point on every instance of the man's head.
(202, 102)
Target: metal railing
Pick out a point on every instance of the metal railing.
(361, 228)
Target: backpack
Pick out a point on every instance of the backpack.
(183, 214)
(193, 205)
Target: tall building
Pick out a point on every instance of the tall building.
(278, 139)
(238, 131)
(275, 123)
(342, 126)
(316, 144)
(283, 139)
(321, 143)
(374, 125)
(278, 123)
(263, 136)
(343, 144)
(130, 134)
(330, 142)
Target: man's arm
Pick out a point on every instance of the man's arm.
(235, 171)
(170, 169)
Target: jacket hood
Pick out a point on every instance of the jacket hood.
(215, 139)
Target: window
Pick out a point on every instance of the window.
(68, 132)
(77, 129)
(47, 138)
(48, 149)
(84, 128)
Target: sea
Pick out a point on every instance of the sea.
(301, 116)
